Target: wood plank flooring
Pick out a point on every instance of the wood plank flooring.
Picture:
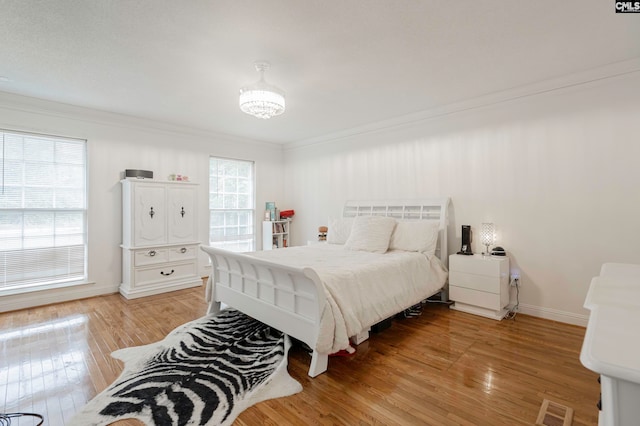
(442, 368)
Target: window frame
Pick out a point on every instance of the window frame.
(228, 241)
(52, 248)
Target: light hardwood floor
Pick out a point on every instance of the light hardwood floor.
(441, 368)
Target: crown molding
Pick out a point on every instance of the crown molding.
(27, 104)
(610, 71)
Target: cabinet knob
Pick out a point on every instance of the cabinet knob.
(167, 274)
(182, 211)
(183, 250)
(152, 253)
(151, 212)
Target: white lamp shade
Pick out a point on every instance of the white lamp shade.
(487, 233)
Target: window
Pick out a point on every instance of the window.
(231, 204)
(42, 211)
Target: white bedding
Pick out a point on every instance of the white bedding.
(362, 288)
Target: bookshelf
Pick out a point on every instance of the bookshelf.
(275, 234)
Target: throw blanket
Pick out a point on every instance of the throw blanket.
(205, 372)
(362, 288)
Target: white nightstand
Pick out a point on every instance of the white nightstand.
(479, 284)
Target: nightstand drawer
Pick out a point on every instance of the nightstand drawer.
(478, 265)
(476, 282)
(475, 297)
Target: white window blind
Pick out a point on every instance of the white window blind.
(231, 204)
(42, 211)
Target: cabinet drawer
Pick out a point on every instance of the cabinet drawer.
(182, 253)
(150, 257)
(478, 265)
(475, 282)
(159, 274)
(475, 297)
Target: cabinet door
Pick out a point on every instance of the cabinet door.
(181, 214)
(149, 215)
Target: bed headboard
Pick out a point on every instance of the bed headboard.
(420, 209)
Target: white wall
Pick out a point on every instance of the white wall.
(116, 143)
(556, 172)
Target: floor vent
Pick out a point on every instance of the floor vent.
(554, 414)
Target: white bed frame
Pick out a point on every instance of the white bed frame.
(292, 299)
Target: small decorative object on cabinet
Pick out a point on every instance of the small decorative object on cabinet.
(159, 237)
(479, 284)
(275, 234)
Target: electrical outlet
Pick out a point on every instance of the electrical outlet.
(515, 279)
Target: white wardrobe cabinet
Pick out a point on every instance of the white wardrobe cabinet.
(159, 238)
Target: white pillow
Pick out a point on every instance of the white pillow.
(370, 233)
(419, 235)
(339, 230)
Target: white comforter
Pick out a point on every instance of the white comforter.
(362, 288)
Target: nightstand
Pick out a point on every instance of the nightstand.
(479, 284)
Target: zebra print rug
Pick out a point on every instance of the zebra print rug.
(205, 372)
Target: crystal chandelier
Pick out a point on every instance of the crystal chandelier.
(261, 99)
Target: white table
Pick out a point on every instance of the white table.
(611, 345)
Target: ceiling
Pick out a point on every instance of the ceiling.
(342, 63)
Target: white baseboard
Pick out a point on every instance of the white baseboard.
(48, 297)
(158, 289)
(554, 314)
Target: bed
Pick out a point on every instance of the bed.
(323, 294)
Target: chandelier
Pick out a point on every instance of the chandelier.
(261, 99)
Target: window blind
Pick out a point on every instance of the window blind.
(42, 210)
(231, 204)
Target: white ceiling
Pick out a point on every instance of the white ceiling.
(342, 63)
